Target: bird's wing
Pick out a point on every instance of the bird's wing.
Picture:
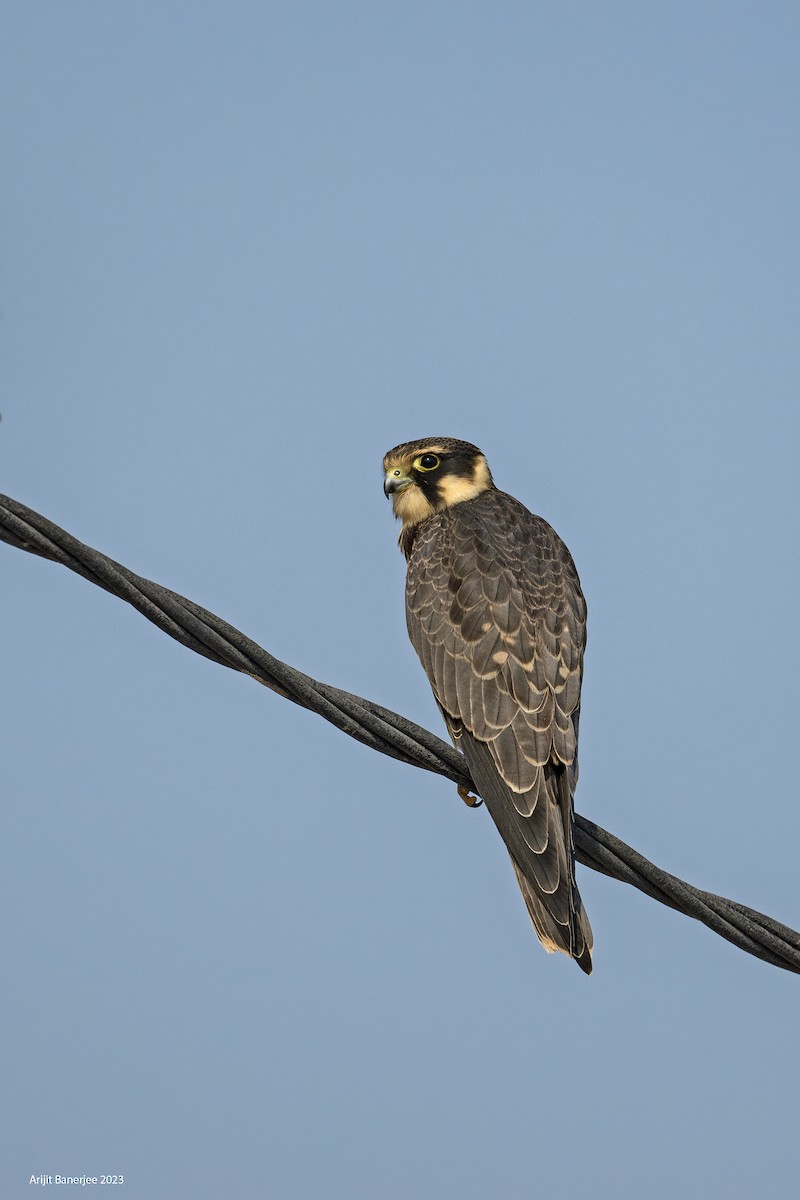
(497, 617)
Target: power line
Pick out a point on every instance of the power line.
(381, 729)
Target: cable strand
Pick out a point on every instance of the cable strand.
(381, 729)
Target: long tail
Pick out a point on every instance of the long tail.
(550, 933)
(541, 850)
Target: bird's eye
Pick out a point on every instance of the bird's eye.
(426, 462)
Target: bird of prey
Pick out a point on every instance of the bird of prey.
(496, 614)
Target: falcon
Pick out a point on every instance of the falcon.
(496, 614)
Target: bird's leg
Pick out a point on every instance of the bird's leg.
(470, 800)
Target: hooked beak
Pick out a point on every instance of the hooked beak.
(394, 481)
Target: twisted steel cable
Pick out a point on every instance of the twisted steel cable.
(382, 729)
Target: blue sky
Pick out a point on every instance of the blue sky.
(249, 247)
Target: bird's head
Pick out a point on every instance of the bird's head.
(430, 475)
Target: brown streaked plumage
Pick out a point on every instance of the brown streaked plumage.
(496, 614)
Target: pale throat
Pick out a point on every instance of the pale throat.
(411, 506)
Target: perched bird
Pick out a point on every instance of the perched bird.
(496, 614)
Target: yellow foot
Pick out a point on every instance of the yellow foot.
(470, 800)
